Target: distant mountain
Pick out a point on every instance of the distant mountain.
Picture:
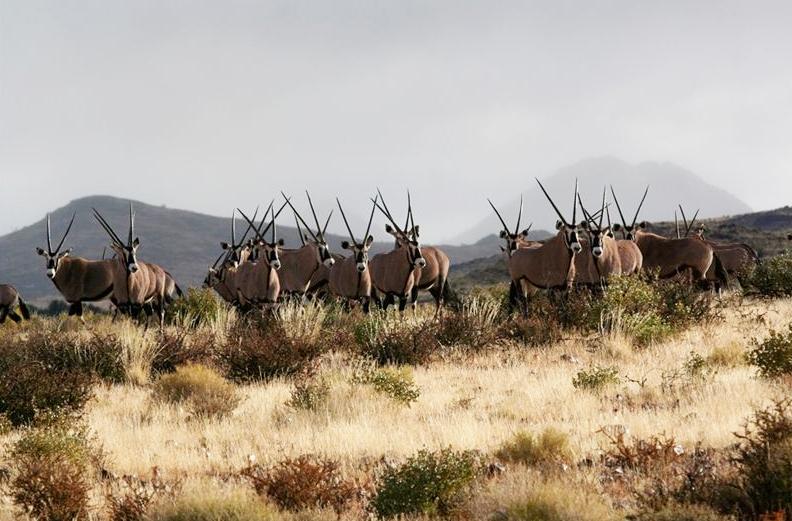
(183, 242)
(669, 184)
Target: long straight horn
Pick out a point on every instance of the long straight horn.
(324, 230)
(274, 216)
(387, 214)
(371, 219)
(409, 212)
(684, 219)
(316, 220)
(274, 228)
(560, 216)
(386, 210)
(587, 215)
(298, 216)
(505, 227)
(676, 225)
(257, 229)
(519, 216)
(692, 221)
(247, 231)
(233, 228)
(618, 207)
(351, 235)
(68, 229)
(49, 236)
(607, 215)
(253, 224)
(602, 210)
(299, 230)
(640, 205)
(107, 228)
(574, 206)
(131, 225)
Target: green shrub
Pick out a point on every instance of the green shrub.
(549, 448)
(309, 393)
(201, 389)
(427, 483)
(304, 482)
(52, 469)
(764, 462)
(392, 340)
(208, 505)
(596, 379)
(773, 276)
(773, 356)
(397, 383)
(200, 306)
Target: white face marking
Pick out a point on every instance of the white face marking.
(51, 273)
(420, 263)
(329, 262)
(576, 247)
(275, 264)
(597, 251)
(361, 267)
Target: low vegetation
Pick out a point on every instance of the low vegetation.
(204, 392)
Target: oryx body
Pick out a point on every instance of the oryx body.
(600, 259)
(350, 278)
(10, 301)
(78, 280)
(256, 282)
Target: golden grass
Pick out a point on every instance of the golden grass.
(466, 402)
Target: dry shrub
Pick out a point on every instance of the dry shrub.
(208, 504)
(551, 447)
(178, 347)
(198, 307)
(474, 325)
(264, 350)
(52, 469)
(397, 383)
(303, 483)
(130, 497)
(309, 393)
(658, 472)
(200, 388)
(532, 330)
(396, 340)
(682, 512)
(764, 462)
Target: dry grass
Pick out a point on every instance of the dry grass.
(466, 402)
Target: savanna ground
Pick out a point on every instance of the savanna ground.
(630, 411)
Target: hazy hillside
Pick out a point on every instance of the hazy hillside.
(669, 185)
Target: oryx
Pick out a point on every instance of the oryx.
(300, 267)
(396, 273)
(738, 259)
(669, 257)
(78, 280)
(630, 255)
(595, 265)
(350, 278)
(220, 276)
(256, 282)
(10, 300)
(550, 265)
(137, 285)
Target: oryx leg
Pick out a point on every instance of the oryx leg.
(402, 303)
(13, 316)
(525, 289)
(3, 314)
(366, 301)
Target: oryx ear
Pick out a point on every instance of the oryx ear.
(503, 234)
(369, 240)
(389, 229)
(524, 233)
(416, 230)
(643, 225)
(345, 245)
(305, 236)
(40, 251)
(559, 225)
(503, 249)
(136, 242)
(583, 225)
(616, 227)
(609, 232)
(65, 253)
(225, 245)
(280, 242)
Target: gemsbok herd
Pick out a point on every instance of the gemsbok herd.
(255, 271)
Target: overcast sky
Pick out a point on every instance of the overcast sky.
(211, 105)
